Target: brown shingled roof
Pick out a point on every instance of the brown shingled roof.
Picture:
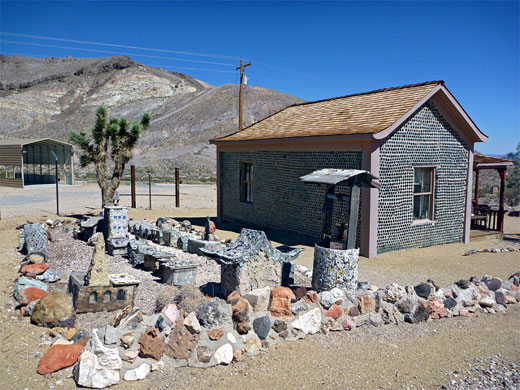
(361, 113)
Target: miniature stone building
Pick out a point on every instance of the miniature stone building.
(251, 262)
(115, 221)
(97, 290)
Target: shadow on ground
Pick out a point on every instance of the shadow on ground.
(285, 238)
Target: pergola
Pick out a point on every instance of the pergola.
(33, 161)
(484, 217)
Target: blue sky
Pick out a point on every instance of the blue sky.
(312, 50)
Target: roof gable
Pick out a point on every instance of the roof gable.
(375, 114)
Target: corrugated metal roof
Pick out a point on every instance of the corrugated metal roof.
(335, 176)
(362, 113)
(26, 141)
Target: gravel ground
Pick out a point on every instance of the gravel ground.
(452, 353)
(492, 373)
(69, 255)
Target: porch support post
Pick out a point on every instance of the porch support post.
(370, 201)
(469, 186)
(502, 172)
(477, 174)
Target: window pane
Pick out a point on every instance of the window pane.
(421, 206)
(422, 180)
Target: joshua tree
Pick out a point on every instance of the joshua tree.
(114, 138)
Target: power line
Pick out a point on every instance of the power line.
(116, 52)
(116, 45)
(155, 50)
(150, 65)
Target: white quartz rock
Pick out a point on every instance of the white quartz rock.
(138, 373)
(309, 322)
(98, 366)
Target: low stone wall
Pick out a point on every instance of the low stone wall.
(222, 332)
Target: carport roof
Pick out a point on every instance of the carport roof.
(27, 141)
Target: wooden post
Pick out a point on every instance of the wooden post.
(328, 208)
(477, 174)
(150, 190)
(132, 186)
(353, 216)
(241, 94)
(177, 188)
(501, 211)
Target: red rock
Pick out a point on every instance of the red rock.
(334, 312)
(181, 342)
(59, 356)
(436, 309)
(280, 305)
(281, 292)
(150, 344)
(36, 269)
(215, 334)
(240, 310)
(310, 297)
(22, 310)
(366, 304)
(281, 308)
(348, 324)
(464, 313)
(29, 294)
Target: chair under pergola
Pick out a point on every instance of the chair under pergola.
(484, 217)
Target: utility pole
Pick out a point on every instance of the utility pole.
(241, 96)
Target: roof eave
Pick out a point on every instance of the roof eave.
(471, 129)
(319, 138)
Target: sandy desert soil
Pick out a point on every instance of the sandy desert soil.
(422, 356)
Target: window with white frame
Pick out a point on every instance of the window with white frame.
(423, 193)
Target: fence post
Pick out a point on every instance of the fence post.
(132, 186)
(150, 190)
(177, 188)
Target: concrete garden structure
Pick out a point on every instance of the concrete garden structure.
(416, 138)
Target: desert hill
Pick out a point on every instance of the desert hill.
(48, 97)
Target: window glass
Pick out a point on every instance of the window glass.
(107, 297)
(246, 178)
(422, 180)
(92, 298)
(423, 193)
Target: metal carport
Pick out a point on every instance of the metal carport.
(31, 161)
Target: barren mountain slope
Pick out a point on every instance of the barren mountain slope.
(49, 97)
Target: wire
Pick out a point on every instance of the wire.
(115, 45)
(115, 52)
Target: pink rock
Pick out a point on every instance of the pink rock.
(130, 356)
(464, 313)
(171, 311)
(348, 324)
(436, 309)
